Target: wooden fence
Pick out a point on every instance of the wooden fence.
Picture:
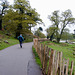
(52, 62)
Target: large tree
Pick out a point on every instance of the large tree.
(21, 17)
(61, 21)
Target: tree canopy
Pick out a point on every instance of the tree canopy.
(20, 17)
(60, 22)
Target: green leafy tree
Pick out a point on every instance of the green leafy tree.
(21, 17)
(66, 35)
(61, 21)
(55, 19)
(39, 33)
(51, 32)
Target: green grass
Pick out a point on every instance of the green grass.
(37, 57)
(11, 42)
(28, 40)
(66, 48)
(10, 39)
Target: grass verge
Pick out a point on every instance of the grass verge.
(11, 42)
(38, 61)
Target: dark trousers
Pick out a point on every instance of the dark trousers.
(21, 44)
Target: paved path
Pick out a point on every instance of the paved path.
(18, 61)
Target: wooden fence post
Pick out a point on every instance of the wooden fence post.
(63, 66)
(34, 40)
(38, 49)
(36, 44)
(57, 61)
(71, 70)
(60, 62)
(51, 62)
(54, 62)
(67, 67)
(44, 58)
(42, 54)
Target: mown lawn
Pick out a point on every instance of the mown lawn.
(67, 49)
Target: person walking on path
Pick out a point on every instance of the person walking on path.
(20, 38)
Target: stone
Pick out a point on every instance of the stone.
(74, 53)
(0, 41)
(6, 41)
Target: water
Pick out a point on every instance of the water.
(63, 41)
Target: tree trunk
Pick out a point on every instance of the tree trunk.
(58, 40)
(17, 34)
(1, 24)
(51, 37)
(1, 20)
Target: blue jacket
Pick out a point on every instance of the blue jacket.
(20, 38)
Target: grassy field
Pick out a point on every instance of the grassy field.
(67, 49)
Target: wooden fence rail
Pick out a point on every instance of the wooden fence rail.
(52, 62)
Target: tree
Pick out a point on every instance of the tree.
(39, 33)
(61, 21)
(3, 6)
(25, 17)
(65, 34)
(51, 32)
(55, 18)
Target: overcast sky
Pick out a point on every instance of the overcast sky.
(46, 7)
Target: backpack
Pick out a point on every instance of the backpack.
(20, 39)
